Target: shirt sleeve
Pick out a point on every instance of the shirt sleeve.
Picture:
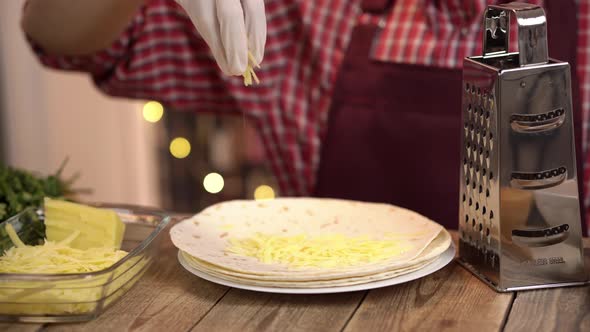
(159, 56)
(100, 64)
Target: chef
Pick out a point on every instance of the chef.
(357, 99)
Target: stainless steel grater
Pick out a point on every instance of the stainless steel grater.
(520, 225)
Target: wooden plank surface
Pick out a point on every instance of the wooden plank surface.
(246, 311)
(563, 309)
(450, 299)
(168, 298)
(7, 327)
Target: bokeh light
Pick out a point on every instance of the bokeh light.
(264, 192)
(180, 147)
(213, 183)
(153, 111)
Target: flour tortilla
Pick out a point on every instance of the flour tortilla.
(430, 254)
(307, 283)
(205, 236)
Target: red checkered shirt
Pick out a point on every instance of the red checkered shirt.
(160, 56)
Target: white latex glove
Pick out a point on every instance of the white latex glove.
(231, 28)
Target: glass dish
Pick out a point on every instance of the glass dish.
(44, 298)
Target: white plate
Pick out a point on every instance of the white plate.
(445, 258)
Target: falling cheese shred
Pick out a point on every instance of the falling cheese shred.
(55, 257)
(326, 251)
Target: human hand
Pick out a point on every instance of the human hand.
(232, 29)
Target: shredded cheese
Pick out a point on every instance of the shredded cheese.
(324, 251)
(75, 296)
(54, 257)
(249, 74)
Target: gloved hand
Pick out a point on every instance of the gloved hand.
(231, 28)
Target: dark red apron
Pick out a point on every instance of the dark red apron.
(393, 130)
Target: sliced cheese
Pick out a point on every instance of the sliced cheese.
(97, 227)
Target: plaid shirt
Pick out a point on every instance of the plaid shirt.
(160, 56)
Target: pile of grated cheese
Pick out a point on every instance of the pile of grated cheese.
(55, 257)
(326, 251)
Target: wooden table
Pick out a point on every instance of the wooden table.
(168, 298)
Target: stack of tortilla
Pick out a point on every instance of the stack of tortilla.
(207, 241)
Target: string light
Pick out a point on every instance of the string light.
(213, 183)
(153, 111)
(180, 147)
(264, 192)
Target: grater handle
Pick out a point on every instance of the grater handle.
(537, 123)
(532, 32)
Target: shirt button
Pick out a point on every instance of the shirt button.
(464, 31)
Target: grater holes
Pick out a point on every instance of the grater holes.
(491, 175)
(491, 214)
(480, 189)
(481, 228)
(470, 201)
(473, 223)
(476, 206)
(483, 210)
(488, 195)
(466, 218)
(464, 197)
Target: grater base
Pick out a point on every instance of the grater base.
(497, 288)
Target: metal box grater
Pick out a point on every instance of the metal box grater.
(520, 225)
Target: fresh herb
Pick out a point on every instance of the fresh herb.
(28, 225)
(22, 190)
